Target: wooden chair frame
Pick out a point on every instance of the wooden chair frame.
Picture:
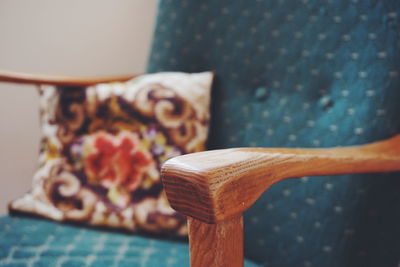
(214, 188)
(38, 79)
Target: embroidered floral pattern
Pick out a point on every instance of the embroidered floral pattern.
(118, 164)
(102, 149)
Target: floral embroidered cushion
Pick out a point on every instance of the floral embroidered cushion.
(103, 146)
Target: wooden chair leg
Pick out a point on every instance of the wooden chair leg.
(216, 245)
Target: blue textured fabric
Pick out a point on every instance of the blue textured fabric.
(31, 242)
(301, 73)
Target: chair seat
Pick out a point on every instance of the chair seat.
(36, 242)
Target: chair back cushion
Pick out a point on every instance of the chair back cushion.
(102, 148)
(301, 73)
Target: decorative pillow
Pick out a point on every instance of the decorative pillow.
(102, 148)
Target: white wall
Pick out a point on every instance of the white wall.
(74, 37)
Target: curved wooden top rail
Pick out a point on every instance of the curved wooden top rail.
(214, 185)
(30, 78)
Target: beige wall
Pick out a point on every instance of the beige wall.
(74, 37)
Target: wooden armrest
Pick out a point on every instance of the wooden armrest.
(214, 188)
(30, 78)
(215, 185)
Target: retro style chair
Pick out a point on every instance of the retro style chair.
(290, 74)
(303, 73)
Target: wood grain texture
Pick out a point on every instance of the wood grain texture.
(215, 185)
(30, 78)
(216, 245)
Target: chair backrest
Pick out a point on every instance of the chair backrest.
(301, 73)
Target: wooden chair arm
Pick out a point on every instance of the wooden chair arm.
(216, 185)
(30, 78)
(214, 188)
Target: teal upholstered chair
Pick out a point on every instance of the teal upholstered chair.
(303, 73)
(300, 74)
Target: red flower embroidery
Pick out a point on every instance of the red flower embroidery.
(117, 161)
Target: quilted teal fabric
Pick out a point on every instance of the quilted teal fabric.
(26, 242)
(301, 73)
